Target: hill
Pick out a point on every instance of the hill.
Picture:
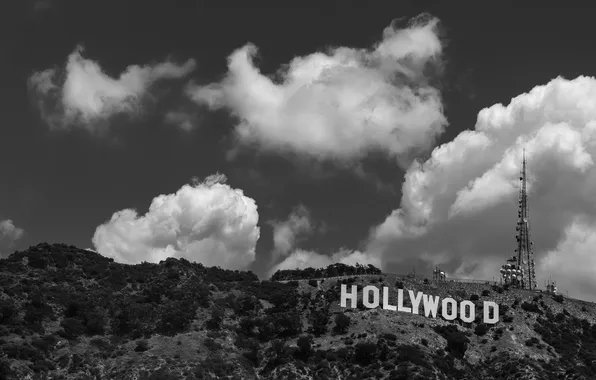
(67, 313)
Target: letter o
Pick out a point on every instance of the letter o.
(365, 296)
(453, 314)
(462, 311)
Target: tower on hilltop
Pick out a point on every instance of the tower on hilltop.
(519, 270)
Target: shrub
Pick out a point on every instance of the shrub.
(559, 298)
(531, 307)
(474, 297)
(142, 346)
(485, 293)
(457, 342)
(313, 283)
(365, 352)
(217, 316)
(73, 327)
(304, 344)
(532, 341)
(342, 323)
(481, 329)
(211, 344)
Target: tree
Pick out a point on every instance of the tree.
(342, 323)
(304, 344)
(217, 315)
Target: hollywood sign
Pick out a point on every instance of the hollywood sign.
(449, 306)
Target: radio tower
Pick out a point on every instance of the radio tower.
(519, 270)
(525, 254)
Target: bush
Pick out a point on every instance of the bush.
(481, 329)
(217, 316)
(365, 352)
(73, 328)
(532, 341)
(342, 323)
(485, 293)
(457, 342)
(474, 297)
(531, 307)
(142, 346)
(313, 283)
(559, 298)
(304, 344)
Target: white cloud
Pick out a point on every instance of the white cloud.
(573, 260)
(207, 222)
(9, 234)
(341, 104)
(286, 233)
(459, 208)
(83, 95)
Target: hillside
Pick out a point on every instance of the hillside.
(67, 313)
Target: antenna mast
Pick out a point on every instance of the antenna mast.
(519, 270)
(525, 254)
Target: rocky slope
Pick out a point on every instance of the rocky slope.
(67, 313)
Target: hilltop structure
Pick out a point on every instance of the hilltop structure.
(519, 269)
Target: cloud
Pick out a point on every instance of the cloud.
(341, 104)
(181, 119)
(207, 222)
(83, 95)
(9, 234)
(572, 261)
(459, 208)
(299, 224)
(286, 233)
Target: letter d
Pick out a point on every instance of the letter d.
(495, 307)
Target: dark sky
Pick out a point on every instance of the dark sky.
(59, 186)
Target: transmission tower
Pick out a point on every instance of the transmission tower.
(519, 270)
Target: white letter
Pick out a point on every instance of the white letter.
(352, 296)
(386, 305)
(415, 301)
(400, 302)
(366, 293)
(472, 313)
(430, 308)
(495, 308)
(453, 315)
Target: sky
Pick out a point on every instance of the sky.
(261, 138)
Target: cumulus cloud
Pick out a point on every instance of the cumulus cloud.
(286, 233)
(9, 234)
(573, 260)
(459, 208)
(340, 104)
(207, 222)
(83, 95)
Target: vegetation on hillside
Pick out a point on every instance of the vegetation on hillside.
(67, 313)
(333, 270)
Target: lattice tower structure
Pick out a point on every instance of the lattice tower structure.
(525, 253)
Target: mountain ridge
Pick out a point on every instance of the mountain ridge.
(69, 313)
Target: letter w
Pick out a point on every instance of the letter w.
(431, 305)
